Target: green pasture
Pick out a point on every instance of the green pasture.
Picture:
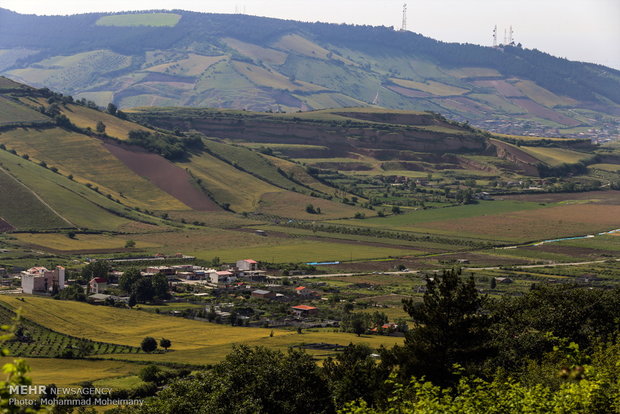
(140, 19)
(12, 112)
(556, 156)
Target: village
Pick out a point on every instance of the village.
(239, 294)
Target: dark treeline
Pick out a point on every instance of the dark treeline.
(554, 349)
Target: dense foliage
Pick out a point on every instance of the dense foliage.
(554, 349)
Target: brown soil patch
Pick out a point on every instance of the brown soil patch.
(531, 225)
(500, 86)
(4, 226)
(540, 111)
(576, 252)
(165, 175)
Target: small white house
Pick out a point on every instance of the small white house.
(223, 276)
(97, 285)
(247, 265)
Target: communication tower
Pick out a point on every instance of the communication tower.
(495, 36)
(404, 26)
(511, 40)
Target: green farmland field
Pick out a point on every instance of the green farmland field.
(140, 19)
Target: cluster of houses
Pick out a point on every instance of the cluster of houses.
(41, 281)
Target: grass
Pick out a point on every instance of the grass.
(305, 251)
(250, 161)
(75, 71)
(542, 95)
(80, 205)
(432, 87)
(85, 117)
(228, 184)
(606, 167)
(413, 219)
(192, 341)
(269, 78)
(269, 56)
(23, 209)
(293, 205)
(140, 19)
(65, 372)
(556, 156)
(193, 65)
(80, 242)
(69, 152)
(12, 112)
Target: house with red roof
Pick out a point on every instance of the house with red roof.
(97, 285)
(248, 268)
(303, 311)
(303, 291)
(221, 276)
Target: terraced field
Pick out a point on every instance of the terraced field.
(68, 151)
(12, 113)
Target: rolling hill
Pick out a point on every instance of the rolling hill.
(179, 58)
(71, 165)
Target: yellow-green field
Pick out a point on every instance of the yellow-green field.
(542, 95)
(192, 341)
(295, 250)
(65, 372)
(194, 65)
(293, 205)
(606, 167)
(556, 156)
(140, 19)
(265, 55)
(67, 152)
(80, 242)
(272, 79)
(229, 183)
(432, 87)
(298, 44)
(85, 117)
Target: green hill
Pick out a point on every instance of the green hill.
(184, 58)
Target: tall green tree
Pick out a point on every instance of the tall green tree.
(127, 280)
(354, 374)
(449, 328)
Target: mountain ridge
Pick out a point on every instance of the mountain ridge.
(249, 62)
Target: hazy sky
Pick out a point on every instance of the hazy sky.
(587, 30)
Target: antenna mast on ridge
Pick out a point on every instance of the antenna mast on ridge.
(495, 36)
(404, 26)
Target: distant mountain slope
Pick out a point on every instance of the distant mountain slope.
(183, 58)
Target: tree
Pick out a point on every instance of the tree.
(143, 289)
(493, 283)
(449, 329)
(159, 284)
(127, 280)
(130, 244)
(100, 128)
(132, 301)
(112, 109)
(148, 344)
(150, 373)
(310, 209)
(165, 343)
(354, 374)
(248, 380)
(99, 268)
